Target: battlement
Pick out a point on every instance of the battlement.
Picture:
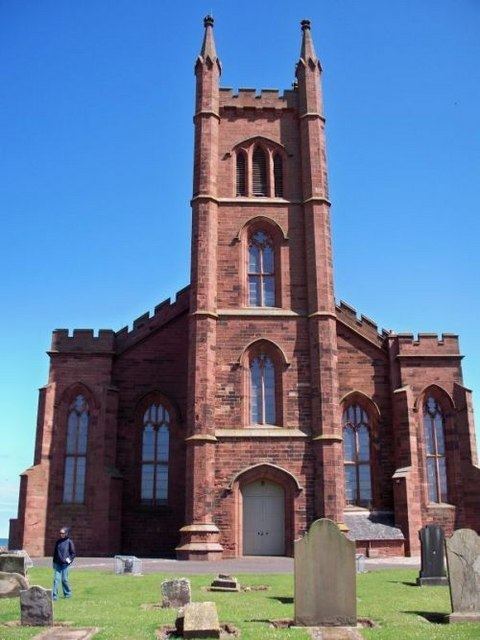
(362, 324)
(445, 344)
(109, 341)
(246, 98)
(83, 341)
(146, 323)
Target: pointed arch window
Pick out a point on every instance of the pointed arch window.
(76, 453)
(155, 455)
(262, 390)
(241, 174)
(261, 270)
(434, 433)
(356, 455)
(278, 175)
(259, 173)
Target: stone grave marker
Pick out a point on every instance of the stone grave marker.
(11, 584)
(432, 550)
(463, 560)
(176, 592)
(13, 563)
(36, 608)
(325, 580)
(200, 620)
(225, 582)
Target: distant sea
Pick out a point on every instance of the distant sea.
(3, 542)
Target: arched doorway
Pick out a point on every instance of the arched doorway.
(263, 519)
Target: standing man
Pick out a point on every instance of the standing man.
(63, 557)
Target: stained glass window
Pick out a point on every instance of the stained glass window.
(262, 390)
(76, 451)
(261, 271)
(356, 456)
(434, 433)
(155, 455)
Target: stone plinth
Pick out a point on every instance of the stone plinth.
(325, 580)
(200, 620)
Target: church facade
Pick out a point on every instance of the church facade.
(228, 420)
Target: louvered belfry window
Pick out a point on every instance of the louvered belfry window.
(241, 174)
(278, 175)
(259, 173)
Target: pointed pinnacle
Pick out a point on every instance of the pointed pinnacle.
(308, 50)
(208, 46)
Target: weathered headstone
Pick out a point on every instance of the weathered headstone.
(128, 564)
(325, 581)
(11, 584)
(176, 592)
(13, 563)
(225, 582)
(200, 620)
(432, 550)
(36, 607)
(463, 560)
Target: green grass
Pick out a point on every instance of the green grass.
(112, 603)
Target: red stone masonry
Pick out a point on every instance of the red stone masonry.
(193, 355)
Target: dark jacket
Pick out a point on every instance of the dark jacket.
(64, 548)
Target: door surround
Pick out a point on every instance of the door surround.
(272, 473)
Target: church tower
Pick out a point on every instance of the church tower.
(262, 338)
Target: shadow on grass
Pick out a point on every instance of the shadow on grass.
(430, 616)
(407, 584)
(282, 599)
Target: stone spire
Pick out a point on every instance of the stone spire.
(307, 51)
(208, 52)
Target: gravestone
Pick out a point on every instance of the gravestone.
(36, 608)
(360, 563)
(11, 584)
(13, 563)
(463, 560)
(325, 581)
(225, 582)
(432, 550)
(176, 592)
(200, 620)
(128, 564)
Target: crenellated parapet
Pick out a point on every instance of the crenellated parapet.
(107, 341)
(82, 341)
(360, 324)
(253, 99)
(427, 344)
(145, 324)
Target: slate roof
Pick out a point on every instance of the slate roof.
(369, 525)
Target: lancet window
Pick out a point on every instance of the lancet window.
(434, 434)
(261, 270)
(76, 451)
(155, 455)
(262, 390)
(356, 454)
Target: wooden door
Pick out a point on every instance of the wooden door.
(263, 519)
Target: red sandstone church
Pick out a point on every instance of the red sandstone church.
(230, 419)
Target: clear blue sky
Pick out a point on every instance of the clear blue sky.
(96, 166)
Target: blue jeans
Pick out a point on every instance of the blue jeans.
(60, 572)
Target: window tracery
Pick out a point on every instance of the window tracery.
(155, 455)
(356, 455)
(434, 434)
